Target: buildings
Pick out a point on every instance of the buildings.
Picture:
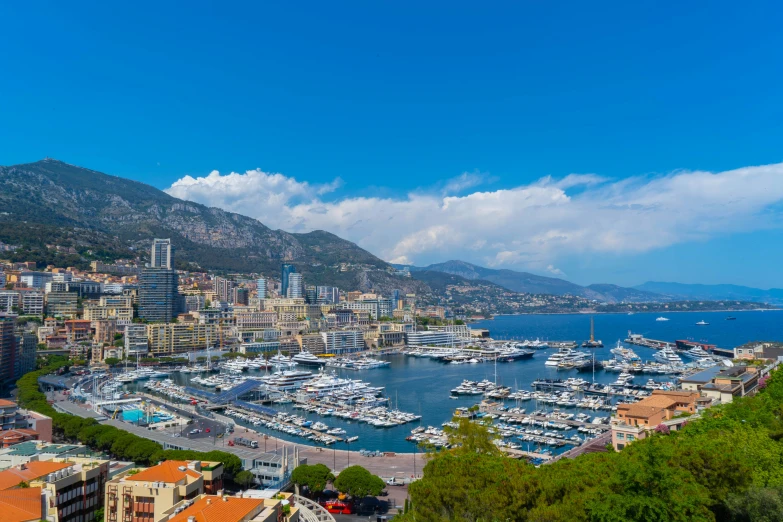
(662, 408)
(169, 339)
(70, 487)
(162, 254)
(136, 339)
(35, 279)
(285, 271)
(158, 295)
(26, 352)
(295, 286)
(328, 294)
(194, 303)
(9, 301)
(62, 304)
(8, 349)
(430, 338)
(241, 296)
(261, 289)
(222, 508)
(340, 342)
(32, 302)
(377, 307)
(723, 384)
(150, 494)
(759, 350)
(118, 308)
(224, 288)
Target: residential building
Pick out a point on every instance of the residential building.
(259, 347)
(222, 508)
(295, 286)
(662, 408)
(73, 486)
(9, 301)
(724, 384)
(35, 279)
(118, 308)
(105, 330)
(241, 296)
(255, 320)
(224, 289)
(311, 294)
(63, 305)
(169, 339)
(11, 418)
(77, 330)
(261, 289)
(340, 342)
(328, 294)
(313, 343)
(759, 350)
(8, 349)
(26, 352)
(32, 302)
(150, 494)
(136, 339)
(162, 254)
(285, 271)
(429, 338)
(376, 307)
(194, 303)
(158, 297)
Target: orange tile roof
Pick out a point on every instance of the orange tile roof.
(233, 509)
(167, 471)
(11, 477)
(6, 403)
(21, 505)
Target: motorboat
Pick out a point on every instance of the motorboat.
(702, 323)
(306, 358)
(661, 318)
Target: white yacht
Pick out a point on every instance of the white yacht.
(696, 353)
(662, 318)
(308, 359)
(624, 353)
(566, 355)
(667, 356)
(702, 323)
(287, 380)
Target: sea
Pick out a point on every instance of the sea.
(422, 386)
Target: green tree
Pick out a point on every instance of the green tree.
(756, 505)
(314, 477)
(358, 482)
(111, 361)
(244, 478)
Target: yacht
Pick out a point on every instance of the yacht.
(565, 357)
(286, 380)
(702, 323)
(623, 379)
(666, 355)
(624, 353)
(308, 359)
(696, 353)
(661, 318)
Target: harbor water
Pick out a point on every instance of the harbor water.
(422, 386)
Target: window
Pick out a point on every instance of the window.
(630, 437)
(620, 436)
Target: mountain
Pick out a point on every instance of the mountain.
(714, 292)
(526, 282)
(53, 203)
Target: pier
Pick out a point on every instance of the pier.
(539, 418)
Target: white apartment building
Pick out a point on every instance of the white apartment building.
(9, 299)
(32, 303)
(343, 341)
(136, 339)
(431, 338)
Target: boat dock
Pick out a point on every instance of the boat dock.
(277, 420)
(539, 418)
(639, 340)
(527, 454)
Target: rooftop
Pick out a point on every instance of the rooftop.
(703, 376)
(21, 505)
(213, 508)
(168, 471)
(11, 477)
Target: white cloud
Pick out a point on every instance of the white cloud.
(529, 227)
(552, 269)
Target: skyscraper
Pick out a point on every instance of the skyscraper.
(294, 286)
(311, 295)
(158, 297)
(241, 296)
(8, 348)
(162, 255)
(286, 271)
(261, 284)
(224, 288)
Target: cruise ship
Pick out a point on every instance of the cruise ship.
(306, 358)
(666, 355)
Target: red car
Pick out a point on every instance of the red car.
(338, 507)
(206, 430)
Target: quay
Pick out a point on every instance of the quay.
(539, 418)
(656, 344)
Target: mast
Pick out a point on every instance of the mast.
(592, 329)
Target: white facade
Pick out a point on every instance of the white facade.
(136, 339)
(375, 307)
(35, 279)
(261, 284)
(343, 341)
(33, 303)
(295, 284)
(9, 299)
(432, 339)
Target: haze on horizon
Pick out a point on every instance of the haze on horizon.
(617, 144)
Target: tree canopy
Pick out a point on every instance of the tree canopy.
(358, 482)
(314, 477)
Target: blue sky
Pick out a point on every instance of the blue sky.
(394, 101)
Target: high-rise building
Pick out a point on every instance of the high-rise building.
(295, 283)
(241, 296)
(8, 348)
(158, 298)
(261, 284)
(285, 272)
(311, 295)
(162, 255)
(26, 346)
(224, 288)
(328, 295)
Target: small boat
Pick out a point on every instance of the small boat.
(731, 318)
(352, 439)
(702, 323)
(661, 318)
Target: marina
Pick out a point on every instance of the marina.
(377, 405)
